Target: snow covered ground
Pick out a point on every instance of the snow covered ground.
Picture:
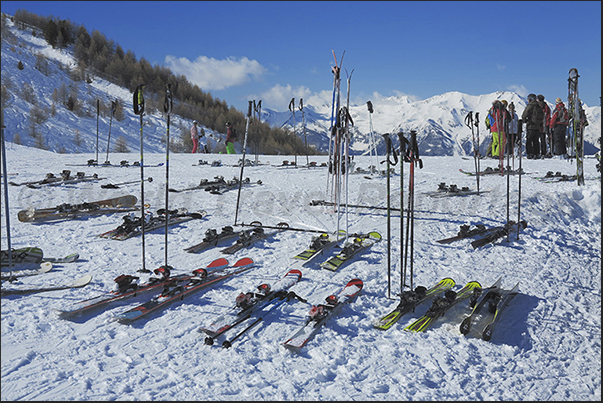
(547, 347)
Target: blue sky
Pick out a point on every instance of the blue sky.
(275, 50)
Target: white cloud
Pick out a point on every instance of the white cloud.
(279, 97)
(213, 74)
(519, 89)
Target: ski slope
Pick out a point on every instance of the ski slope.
(547, 346)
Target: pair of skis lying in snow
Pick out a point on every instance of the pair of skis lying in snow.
(444, 299)
(256, 305)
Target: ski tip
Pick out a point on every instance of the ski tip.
(375, 235)
(45, 267)
(295, 272)
(221, 262)
(82, 281)
(357, 282)
(245, 262)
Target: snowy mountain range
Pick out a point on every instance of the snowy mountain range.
(438, 121)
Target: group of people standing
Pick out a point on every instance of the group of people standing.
(230, 138)
(545, 132)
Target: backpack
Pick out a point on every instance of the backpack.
(537, 115)
(562, 115)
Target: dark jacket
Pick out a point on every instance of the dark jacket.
(532, 116)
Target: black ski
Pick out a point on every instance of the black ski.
(132, 225)
(251, 236)
(497, 305)
(467, 232)
(491, 292)
(203, 184)
(498, 233)
(212, 238)
(453, 190)
(231, 184)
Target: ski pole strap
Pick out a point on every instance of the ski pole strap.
(168, 102)
(403, 144)
(138, 100)
(292, 295)
(292, 104)
(469, 119)
(369, 105)
(390, 150)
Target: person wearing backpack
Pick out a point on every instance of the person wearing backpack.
(559, 123)
(533, 117)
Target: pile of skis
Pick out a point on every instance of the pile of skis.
(72, 211)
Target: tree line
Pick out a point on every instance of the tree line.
(97, 55)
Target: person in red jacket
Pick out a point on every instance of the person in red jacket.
(545, 130)
(559, 122)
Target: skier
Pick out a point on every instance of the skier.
(559, 122)
(545, 129)
(512, 129)
(195, 136)
(231, 136)
(496, 119)
(532, 117)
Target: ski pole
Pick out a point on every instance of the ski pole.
(388, 146)
(167, 108)
(469, 123)
(301, 108)
(243, 160)
(5, 176)
(138, 105)
(97, 115)
(478, 152)
(519, 133)
(113, 108)
(403, 148)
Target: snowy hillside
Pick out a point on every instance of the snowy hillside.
(547, 346)
(439, 120)
(59, 131)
